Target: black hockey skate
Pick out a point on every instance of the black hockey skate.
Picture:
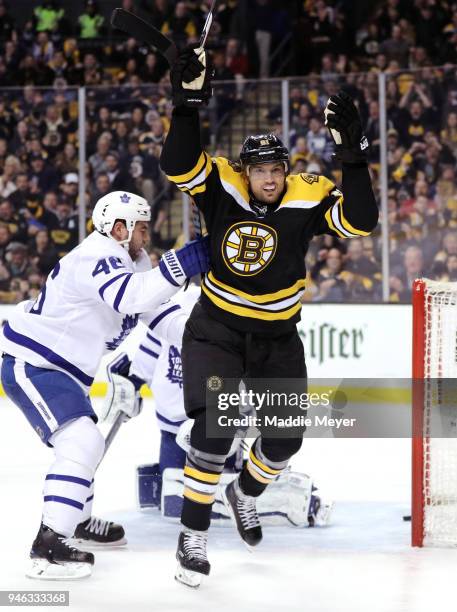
(242, 508)
(54, 559)
(191, 555)
(96, 532)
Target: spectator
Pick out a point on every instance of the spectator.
(158, 11)
(331, 284)
(47, 16)
(449, 133)
(70, 188)
(396, 48)
(17, 261)
(121, 137)
(42, 174)
(323, 31)
(5, 239)
(180, 26)
(372, 130)
(91, 21)
(417, 114)
(92, 73)
(64, 229)
(15, 221)
(449, 246)
(153, 69)
(43, 255)
(10, 170)
(318, 141)
(119, 179)
(235, 59)
(7, 24)
(366, 275)
(18, 197)
(66, 161)
(403, 277)
(97, 161)
(43, 49)
(102, 186)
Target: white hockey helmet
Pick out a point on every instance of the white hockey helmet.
(123, 205)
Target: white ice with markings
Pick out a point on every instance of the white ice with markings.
(362, 562)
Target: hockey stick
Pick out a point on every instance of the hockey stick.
(196, 219)
(208, 24)
(145, 32)
(121, 418)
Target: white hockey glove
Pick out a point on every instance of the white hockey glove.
(123, 393)
(190, 77)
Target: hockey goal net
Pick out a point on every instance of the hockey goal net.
(434, 445)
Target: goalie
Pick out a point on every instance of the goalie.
(290, 500)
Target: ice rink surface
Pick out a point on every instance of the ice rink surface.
(362, 562)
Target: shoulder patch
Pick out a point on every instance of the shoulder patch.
(310, 178)
(234, 165)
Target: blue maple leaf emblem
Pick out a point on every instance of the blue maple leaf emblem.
(128, 323)
(125, 199)
(174, 373)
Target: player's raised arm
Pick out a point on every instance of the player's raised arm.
(183, 159)
(354, 212)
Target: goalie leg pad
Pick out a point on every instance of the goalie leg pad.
(172, 496)
(149, 485)
(290, 500)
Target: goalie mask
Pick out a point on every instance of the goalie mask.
(122, 206)
(262, 149)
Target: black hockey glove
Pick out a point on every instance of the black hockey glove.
(343, 121)
(190, 78)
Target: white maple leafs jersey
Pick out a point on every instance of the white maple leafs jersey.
(90, 303)
(158, 361)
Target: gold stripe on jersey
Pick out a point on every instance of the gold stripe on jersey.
(262, 465)
(260, 470)
(260, 299)
(203, 476)
(233, 182)
(347, 225)
(201, 498)
(194, 181)
(303, 194)
(191, 174)
(339, 224)
(255, 474)
(252, 313)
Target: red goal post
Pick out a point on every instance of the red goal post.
(434, 409)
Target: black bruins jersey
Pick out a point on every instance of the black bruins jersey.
(257, 274)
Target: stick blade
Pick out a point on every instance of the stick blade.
(143, 31)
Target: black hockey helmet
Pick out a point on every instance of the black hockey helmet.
(262, 149)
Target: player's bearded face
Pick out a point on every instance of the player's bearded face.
(267, 181)
(140, 238)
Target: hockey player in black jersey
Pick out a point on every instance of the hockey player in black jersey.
(260, 219)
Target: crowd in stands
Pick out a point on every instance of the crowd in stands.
(46, 57)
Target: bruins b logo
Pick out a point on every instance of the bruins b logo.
(248, 248)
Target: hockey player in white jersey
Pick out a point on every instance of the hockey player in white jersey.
(51, 351)
(157, 363)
